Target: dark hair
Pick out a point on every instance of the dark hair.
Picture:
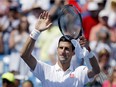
(29, 81)
(6, 81)
(66, 40)
(21, 21)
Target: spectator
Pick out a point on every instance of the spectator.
(111, 82)
(90, 20)
(103, 60)
(103, 38)
(27, 83)
(112, 16)
(18, 78)
(1, 43)
(55, 8)
(15, 43)
(8, 80)
(101, 3)
(112, 20)
(103, 18)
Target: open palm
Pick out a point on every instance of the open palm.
(43, 22)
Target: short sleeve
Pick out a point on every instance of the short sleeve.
(82, 75)
(85, 75)
(39, 70)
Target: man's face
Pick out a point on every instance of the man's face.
(65, 52)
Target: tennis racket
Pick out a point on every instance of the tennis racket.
(70, 22)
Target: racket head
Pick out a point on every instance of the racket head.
(70, 22)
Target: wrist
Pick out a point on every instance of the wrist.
(90, 55)
(35, 34)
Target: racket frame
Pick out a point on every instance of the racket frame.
(59, 18)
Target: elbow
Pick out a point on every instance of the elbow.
(97, 71)
(23, 55)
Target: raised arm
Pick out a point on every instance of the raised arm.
(42, 24)
(93, 62)
(95, 67)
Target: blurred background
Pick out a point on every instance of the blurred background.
(18, 18)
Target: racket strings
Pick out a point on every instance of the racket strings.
(70, 22)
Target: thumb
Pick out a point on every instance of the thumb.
(49, 25)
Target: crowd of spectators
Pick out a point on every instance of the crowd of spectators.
(17, 20)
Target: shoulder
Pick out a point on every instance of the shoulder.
(14, 31)
(82, 74)
(42, 64)
(81, 68)
(41, 67)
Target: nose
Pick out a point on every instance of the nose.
(63, 51)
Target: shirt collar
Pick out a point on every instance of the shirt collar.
(57, 67)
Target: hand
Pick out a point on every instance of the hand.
(80, 51)
(43, 22)
(83, 42)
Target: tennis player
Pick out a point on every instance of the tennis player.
(62, 73)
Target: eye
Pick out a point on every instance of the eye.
(67, 49)
(61, 47)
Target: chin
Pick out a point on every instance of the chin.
(63, 62)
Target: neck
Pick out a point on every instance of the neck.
(64, 66)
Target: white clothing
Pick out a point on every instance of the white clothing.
(54, 76)
(112, 19)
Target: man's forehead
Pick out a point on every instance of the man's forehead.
(64, 43)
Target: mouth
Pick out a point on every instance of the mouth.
(63, 58)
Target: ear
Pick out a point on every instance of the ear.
(73, 53)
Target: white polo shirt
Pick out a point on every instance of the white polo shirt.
(54, 76)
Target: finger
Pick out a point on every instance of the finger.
(46, 15)
(82, 42)
(40, 16)
(48, 18)
(43, 14)
(81, 37)
(49, 25)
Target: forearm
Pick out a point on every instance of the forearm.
(93, 61)
(54, 8)
(95, 67)
(28, 47)
(26, 53)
